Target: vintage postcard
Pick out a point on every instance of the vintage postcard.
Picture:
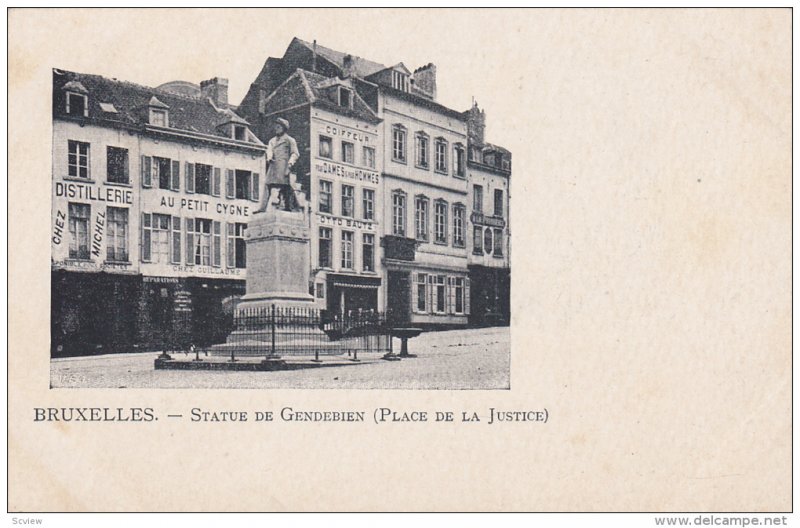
(266, 255)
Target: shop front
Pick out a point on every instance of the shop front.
(352, 294)
(91, 312)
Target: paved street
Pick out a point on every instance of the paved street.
(456, 359)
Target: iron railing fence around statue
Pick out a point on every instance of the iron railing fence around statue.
(289, 331)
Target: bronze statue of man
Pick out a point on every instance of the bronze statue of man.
(282, 154)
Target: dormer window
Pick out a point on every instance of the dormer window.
(345, 97)
(76, 99)
(240, 132)
(158, 117)
(399, 81)
(77, 104)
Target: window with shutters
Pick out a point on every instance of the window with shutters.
(441, 155)
(78, 219)
(399, 143)
(348, 152)
(347, 250)
(164, 170)
(399, 213)
(348, 200)
(77, 104)
(237, 247)
(421, 214)
(159, 228)
(477, 240)
(244, 184)
(440, 293)
(368, 252)
(422, 154)
(440, 221)
(203, 242)
(202, 178)
(325, 247)
(421, 287)
(459, 295)
(368, 204)
(325, 196)
(117, 165)
(117, 234)
(78, 159)
(459, 214)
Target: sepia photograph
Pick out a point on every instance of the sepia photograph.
(338, 215)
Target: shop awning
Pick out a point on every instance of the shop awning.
(354, 281)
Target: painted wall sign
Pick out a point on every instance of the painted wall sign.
(345, 133)
(93, 265)
(97, 233)
(208, 270)
(491, 221)
(162, 280)
(326, 220)
(204, 206)
(328, 168)
(59, 224)
(83, 191)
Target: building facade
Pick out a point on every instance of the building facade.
(151, 195)
(489, 176)
(337, 136)
(153, 187)
(422, 183)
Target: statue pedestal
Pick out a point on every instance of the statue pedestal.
(278, 256)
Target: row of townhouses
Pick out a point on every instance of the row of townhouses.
(153, 187)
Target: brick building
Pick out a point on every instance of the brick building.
(151, 194)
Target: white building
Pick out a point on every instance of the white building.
(151, 195)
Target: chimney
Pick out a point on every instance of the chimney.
(476, 124)
(314, 58)
(215, 89)
(424, 80)
(348, 68)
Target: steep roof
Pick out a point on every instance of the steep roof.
(361, 67)
(308, 87)
(132, 101)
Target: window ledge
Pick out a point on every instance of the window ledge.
(403, 162)
(112, 261)
(423, 167)
(117, 184)
(78, 179)
(442, 172)
(440, 243)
